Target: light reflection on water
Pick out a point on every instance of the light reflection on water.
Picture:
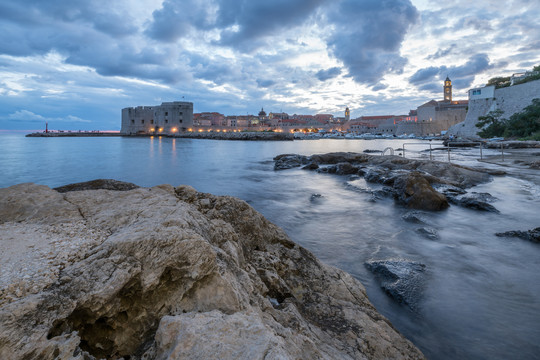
(482, 298)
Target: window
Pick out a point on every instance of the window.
(180, 121)
(133, 121)
(142, 121)
(166, 113)
(477, 92)
(151, 121)
(166, 121)
(181, 113)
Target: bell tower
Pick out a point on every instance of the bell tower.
(447, 89)
(347, 114)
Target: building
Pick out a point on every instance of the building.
(482, 100)
(167, 118)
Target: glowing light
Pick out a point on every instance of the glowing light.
(190, 129)
(152, 129)
(160, 129)
(174, 130)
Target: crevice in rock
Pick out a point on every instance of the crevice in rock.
(125, 325)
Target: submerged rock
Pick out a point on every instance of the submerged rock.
(531, 235)
(475, 201)
(428, 232)
(402, 279)
(414, 217)
(168, 272)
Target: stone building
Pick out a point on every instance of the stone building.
(509, 100)
(167, 118)
(434, 116)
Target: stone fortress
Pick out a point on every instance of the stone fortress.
(167, 119)
(510, 100)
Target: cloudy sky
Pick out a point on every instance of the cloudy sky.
(76, 63)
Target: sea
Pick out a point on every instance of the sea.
(481, 298)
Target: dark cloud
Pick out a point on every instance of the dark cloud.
(442, 52)
(327, 74)
(265, 83)
(245, 22)
(379, 87)
(462, 76)
(368, 36)
(423, 75)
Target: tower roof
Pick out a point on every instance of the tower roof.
(447, 78)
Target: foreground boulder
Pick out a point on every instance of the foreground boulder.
(168, 272)
(414, 191)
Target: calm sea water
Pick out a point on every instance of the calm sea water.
(482, 299)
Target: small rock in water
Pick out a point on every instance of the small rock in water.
(402, 279)
(531, 235)
(428, 232)
(414, 217)
(315, 197)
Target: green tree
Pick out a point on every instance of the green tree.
(491, 124)
(525, 123)
(499, 82)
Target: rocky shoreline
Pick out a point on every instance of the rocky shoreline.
(111, 270)
(417, 184)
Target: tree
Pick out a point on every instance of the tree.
(491, 124)
(525, 123)
(499, 82)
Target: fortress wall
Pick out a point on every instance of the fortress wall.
(510, 100)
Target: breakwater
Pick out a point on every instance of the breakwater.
(73, 134)
(238, 135)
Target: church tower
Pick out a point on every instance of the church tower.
(347, 114)
(447, 89)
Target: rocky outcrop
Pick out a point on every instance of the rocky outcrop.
(411, 180)
(475, 201)
(170, 273)
(531, 235)
(402, 279)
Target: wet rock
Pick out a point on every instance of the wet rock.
(414, 217)
(289, 161)
(315, 197)
(531, 235)
(475, 201)
(428, 232)
(402, 279)
(311, 166)
(370, 151)
(169, 272)
(107, 184)
(415, 192)
(346, 169)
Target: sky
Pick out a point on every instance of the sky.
(75, 64)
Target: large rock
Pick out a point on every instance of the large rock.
(414, 191)
(168, 272)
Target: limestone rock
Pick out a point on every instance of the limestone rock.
(168, 272)
(415, 192)
(289, 161)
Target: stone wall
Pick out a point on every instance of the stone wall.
(167, 118)
(510, 100)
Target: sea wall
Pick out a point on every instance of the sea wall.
(170, 273)
(242, 135)
(509, 99)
